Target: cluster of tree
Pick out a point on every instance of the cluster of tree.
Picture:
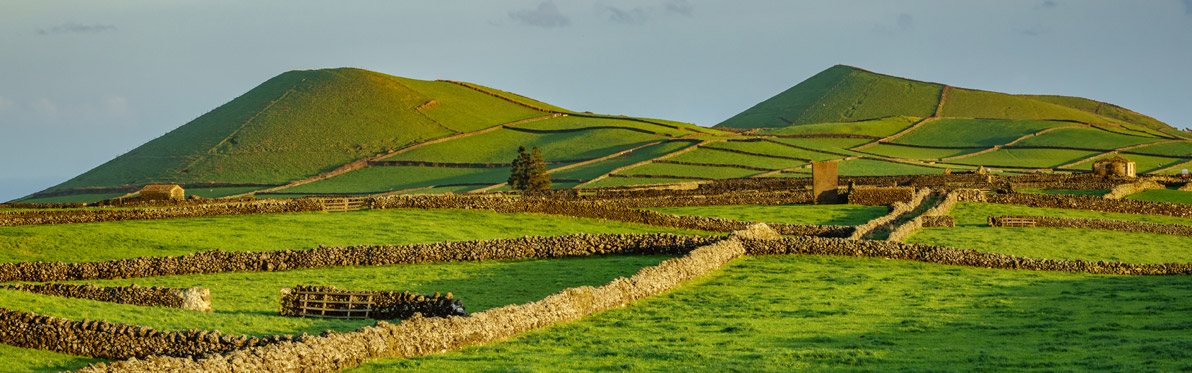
(529, 171)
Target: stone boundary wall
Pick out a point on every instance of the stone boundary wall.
(723, 165)
(581, 129)
(880, 196)
(611, 210)
(196, 299)
(937, 215)
(199, 210)
(1127, 189)
(952, 256)
(1092, 203)
(217, 261)
(938, 221)
(106, 340)
(388, 305)
(419, 336)
(462, 165)
(897, 209)
(1106, 224)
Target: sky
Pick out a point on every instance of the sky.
(82, 82)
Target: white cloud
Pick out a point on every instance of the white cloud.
(45, 108)
(116, 105)
(546, 15)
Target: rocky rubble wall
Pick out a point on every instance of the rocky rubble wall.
(388, 305)
(1092, 203)
(897, 209)
(1127, 189)
(937, 215)
(419, 336)
(880, 196)
(218, 261)
(1106, 224)
(135, 295)
(193, 211)
(950, 256)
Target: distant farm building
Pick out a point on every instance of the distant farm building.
(1116, 166)
(163, 192)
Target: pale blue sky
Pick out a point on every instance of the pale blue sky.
(84, 81)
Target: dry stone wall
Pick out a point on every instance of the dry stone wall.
(218, 261)
(1127, 189)
(897, 209)
(1092, 203)
(419, 336)
(1106, 224)
(880, 196)
(197, 299)
(198, 210)
(387, 305)
(937, 216)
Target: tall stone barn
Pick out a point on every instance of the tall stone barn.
(1116, 166)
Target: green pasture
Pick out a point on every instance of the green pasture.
(881, 127)
(125, 239)
(74, 198)
(974, 132)
(907, 152)
(665, 169)
(633, 181)
(867, 167)
(1086, 138)
(835, 145)
(1163, 195)
(221, 192)
(973, 232)
(1103, 109)
(967, 103)
(501, 146)
(721, 157)
(1142, 163)
(1175, 148)
(788, 214)
(769, 148)
(785, 313)
(1027, 158)
(381, 179)
(573, 122)
(594, 170)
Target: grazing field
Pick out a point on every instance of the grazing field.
(826, 144)
(905, 152)
(1175, 148)
(1086, 138)
(972, 232)
(501, 146)
(381, 179)
(877, 127)
(789, 214)
(706, 172)
(1142, 163)
(75, 198)
(967, 103)
(1163, 195)
(1103, 109)
(126, 239)
(630, 181)
(221, 192)
(594, 170)
(861, 167)
(1027, 158)
(974, 132)
(838, 313)
(721, 157)
(769, 148)
(572, 122)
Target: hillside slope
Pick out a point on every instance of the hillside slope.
(301, 123)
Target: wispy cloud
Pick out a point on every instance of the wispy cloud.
(684, 8)
(546, 15)
(75, 28)
(1047, 4)
(906, 22)
(1187, 6)
(641, 14)
(635, 16)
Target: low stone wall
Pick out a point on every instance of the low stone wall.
(1127, 189)
(1106, 224)
(108, 340)
(938, 221)
(880, 196)
(419, 336)
(1092, 203)
(217, 261)
(611, 210)
(937, 215)
(897, 209)
(198, 210)
(950, 256)
(197, 299)
(388, 305)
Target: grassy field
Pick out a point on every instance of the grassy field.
(501, 146)
(1175, 148)
(594, 170)
(972, 232)
(721, 157)
(373, 180)
(966, 103)
(860, 167)
(1142, 163)
(1027, 158)
(667, 169)
(826, 144)
(630, 181)
(1163, 195)
(783, 313)
(246, 303)
(571, 122)
(839, 94)
(974, 132)
(765, 147)
(74, 198)
(1085, 138)
(789, 214)
(915, 153)
(115, 240)
(877, 127)
(1102, 109)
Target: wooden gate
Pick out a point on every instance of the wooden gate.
(341, 204)
(335, 305)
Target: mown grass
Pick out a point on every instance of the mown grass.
(1027, 158)
(667, 169)
(115, 240)
(769, 148)
(722, 157)
(867, 167)
(789, 214)
(501, 146)
(1163, 195)
(835, 145)
(972, 232)
(974, 132)
(877, 127)
(1175, 148)
(247, 303)
(915, 153)
(1085, 138)
(782, 313)
(381, 179)
(594, 170)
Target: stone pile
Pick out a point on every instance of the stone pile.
(197, 299)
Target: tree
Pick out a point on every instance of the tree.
(529, 171)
